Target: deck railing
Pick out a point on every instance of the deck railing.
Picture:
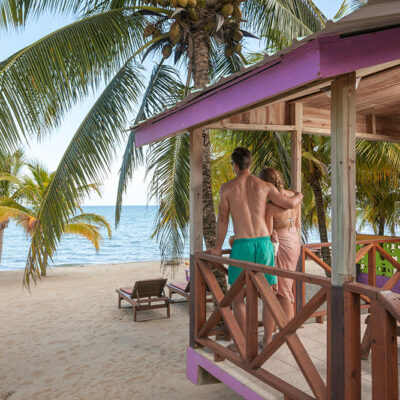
(370, 247)
(385, 312)
(255, 284)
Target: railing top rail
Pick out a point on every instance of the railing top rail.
(299, 276)
(365, 241)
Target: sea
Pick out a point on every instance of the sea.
(131, 241)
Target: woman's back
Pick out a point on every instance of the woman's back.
(283, 219)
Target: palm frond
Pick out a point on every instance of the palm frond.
(92, 219)
(41, 82)
(86, 159)
(293, 18)
(90, 232)
(163, 90)
(168, 162)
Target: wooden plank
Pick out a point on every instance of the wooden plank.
(343, 157)
(318, 260)
(296, 119)
(296, 347)
(199, 298)
(304, 277)
(315, 302)
(196, 219)
(372, 267)
(352, 338)
(279, 384)
(336, 343)
(300, 286)
(250, 127)
(384, 353)
(387, 256)
(361, 288)
(363, 251)
(251, 331)
(226, 312)
(391, 301)
(211, 322)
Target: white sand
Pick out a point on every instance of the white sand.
(67, 339)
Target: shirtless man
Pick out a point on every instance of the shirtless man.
(245, 198)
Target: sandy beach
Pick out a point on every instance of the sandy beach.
(67, 339)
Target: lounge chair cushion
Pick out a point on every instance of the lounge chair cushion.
(127, 290)
(179, 285)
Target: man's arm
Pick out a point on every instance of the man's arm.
(282, 200)
(222, 223)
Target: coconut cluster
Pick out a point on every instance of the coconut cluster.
(218, 18)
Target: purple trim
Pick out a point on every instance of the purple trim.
(321, 58)
(269, 80)
(380, 281)
(195, 360)
(342, 55)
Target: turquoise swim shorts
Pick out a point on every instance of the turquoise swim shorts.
(258, 250)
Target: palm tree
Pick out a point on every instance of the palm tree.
(10, 163)
(24, 203)
(41, 82)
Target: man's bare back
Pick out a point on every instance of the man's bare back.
(245, 198)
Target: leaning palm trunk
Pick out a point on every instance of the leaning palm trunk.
(3, 226)
(200, 75)
(43, 268)
(319, 204)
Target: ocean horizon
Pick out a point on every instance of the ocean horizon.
(131, 241)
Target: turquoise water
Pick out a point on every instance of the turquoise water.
(130, 241)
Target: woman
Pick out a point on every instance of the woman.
(284, 225)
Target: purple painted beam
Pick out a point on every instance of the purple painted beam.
(272, 79)
(194, 360)
(322, 58)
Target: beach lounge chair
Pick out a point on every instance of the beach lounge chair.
(145, 295)
(183, 289)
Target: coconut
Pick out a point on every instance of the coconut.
(148, 30)
(211, 3)
(193, 14)
(209, 26)
(167, 50)
(237, 35)
(174, 33)
(237, 13)
(227, 10)
(229, 51)
(156, 33)
(182, 3)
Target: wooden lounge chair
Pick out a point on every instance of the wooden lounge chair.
(147, 291)
(183, 289)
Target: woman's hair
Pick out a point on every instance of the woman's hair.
(273, 176)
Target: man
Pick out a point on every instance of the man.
(245, 198)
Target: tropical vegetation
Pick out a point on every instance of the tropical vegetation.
(107, 43)
(24, 201)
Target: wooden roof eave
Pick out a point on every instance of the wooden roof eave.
(306, 69)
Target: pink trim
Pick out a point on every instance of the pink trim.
(195, 360)
(269, 80)
(321, 58)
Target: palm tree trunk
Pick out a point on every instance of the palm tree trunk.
(200, 77)
(43, 269)
(3, 226)
(319, 204)
(381, 226)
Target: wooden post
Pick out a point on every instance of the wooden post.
(384, 353)
(343, 137)
(352, 339)
(196, 218)
(296, 118)
(372, 267)
(343, 111)
(251, 331)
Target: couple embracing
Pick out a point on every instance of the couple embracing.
(261, 210)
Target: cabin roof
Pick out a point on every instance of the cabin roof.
(365, 38)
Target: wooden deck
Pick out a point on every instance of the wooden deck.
(314, 338)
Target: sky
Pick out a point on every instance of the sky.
(50, 150)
